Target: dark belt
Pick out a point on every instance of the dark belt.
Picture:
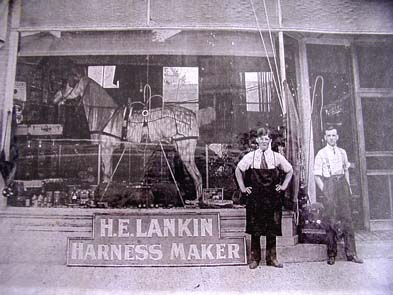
(335, 177)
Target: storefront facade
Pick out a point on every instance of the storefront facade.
(219, 65)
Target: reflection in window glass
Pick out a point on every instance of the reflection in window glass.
(329, 68)
(259, 91)
(103, 75)
(379, 198)
(382, 161)
(375, 66)
(378, 122)
(180, 86)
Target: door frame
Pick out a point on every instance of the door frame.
(359, 94)
(346, 41)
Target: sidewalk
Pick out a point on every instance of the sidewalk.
(364, 236)
(374, 244)
(33, 251)
(374, 277)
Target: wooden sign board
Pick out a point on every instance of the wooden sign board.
(156, 240)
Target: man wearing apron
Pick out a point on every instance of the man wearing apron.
(258, 177)
(332, 178)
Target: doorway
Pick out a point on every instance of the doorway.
(375, 64)
(332, 96)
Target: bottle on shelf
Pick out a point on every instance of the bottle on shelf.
(74, 197)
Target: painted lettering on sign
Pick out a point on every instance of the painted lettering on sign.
(156, 239)
(165, 227)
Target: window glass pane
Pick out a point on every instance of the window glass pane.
(181, 86)
(375, 66)
(380, 162)
(103, 75)
(331, 93)
(379, 198)
(378, 122)
(259, 91)
(109, 74)
(96, 73)
(252, 94)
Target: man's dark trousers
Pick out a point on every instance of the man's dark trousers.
(338, 215)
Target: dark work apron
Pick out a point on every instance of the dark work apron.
(264, 204)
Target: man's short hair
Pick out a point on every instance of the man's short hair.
(263, 131)
(330, 128)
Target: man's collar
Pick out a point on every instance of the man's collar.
(267, 150)
(331, 147)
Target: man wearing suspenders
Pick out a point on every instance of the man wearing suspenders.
(332, 178)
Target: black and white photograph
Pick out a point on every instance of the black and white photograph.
(196, 147)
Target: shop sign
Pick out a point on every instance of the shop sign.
(20, 91)
(156, 240)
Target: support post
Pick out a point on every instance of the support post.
(8, 57)
(99, 163)
(207, 165)
(281, 55)
(361, 139)
(305, 108)
(282, 69)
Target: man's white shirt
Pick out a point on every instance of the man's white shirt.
(331, 161)
(253, 160)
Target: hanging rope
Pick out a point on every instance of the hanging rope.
(272, 44)
(267, 54)
(318, 78)
(147, 68)
(147, 96)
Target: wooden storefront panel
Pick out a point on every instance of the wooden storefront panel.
(341, 16)
(93, 14)
(207, 13)
(145, 43)
(41, 14)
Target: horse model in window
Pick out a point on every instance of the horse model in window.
(170, 123)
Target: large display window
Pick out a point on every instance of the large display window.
(137, 131)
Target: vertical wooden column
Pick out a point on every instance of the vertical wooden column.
(283, 74)
(289, 236)
(306, 110)
(361, 140)
(281, 53)
(8, 54)
(4, 52)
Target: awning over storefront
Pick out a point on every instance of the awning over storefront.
(338, 16)
(334, 16)
(164, 42)
(138, 14)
